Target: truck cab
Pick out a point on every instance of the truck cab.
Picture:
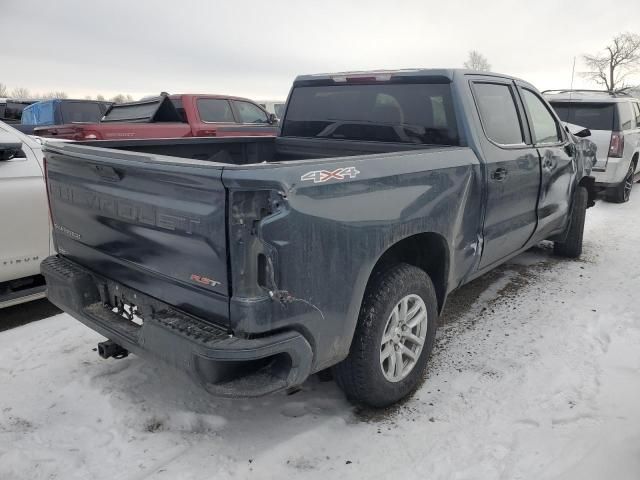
(172, 116)
(11, 109)
(49, 113)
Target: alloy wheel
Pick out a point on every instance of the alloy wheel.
(403, 338)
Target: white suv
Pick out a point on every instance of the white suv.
(25, 232)
(614, 121)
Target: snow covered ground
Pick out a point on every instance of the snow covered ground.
(536, 376)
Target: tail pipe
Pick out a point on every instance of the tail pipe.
(110, 349)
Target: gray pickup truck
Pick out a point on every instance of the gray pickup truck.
(254, 262)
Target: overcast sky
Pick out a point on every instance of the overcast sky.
(256, 48)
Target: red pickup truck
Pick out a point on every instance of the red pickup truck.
(172, 116)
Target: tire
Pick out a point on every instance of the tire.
(363, 376)
(622, 192)
(572, 245)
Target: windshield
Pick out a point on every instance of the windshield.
(78, 112)
(406, 113)
(594, 116)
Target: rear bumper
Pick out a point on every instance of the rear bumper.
(613, 174)
(225, 364)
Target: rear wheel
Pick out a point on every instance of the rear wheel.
(572, 245)
(622, 192)
(393, 338)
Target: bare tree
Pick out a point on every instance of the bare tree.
(51, 95)
(120, 98)
(100, 98)
(20, 93)
(4, 91)
(477, 61)
(618, 60)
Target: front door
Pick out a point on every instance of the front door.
(557, 162)
(512, 170)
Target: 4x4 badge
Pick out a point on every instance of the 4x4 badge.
(319, 176)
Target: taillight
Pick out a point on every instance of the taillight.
(616, 147)
(362, 78)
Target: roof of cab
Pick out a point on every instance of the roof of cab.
(445, 74)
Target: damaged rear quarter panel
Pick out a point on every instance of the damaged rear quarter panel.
(324, 238)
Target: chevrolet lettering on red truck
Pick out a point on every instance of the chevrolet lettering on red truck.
(252, 263)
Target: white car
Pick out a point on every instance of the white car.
(25, 232)
(614, 122)
(273, 106)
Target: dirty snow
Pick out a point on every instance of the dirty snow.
(536, 376)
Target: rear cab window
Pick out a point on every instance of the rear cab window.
(399, 113)
(81, 112)
(41, 113)
(12, 110)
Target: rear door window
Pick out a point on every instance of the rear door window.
(215, 110)
(545, 127)
(498, 112)
(250, 113)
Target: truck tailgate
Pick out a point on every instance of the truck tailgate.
(152, 223)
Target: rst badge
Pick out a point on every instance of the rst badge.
(204, 280)
(320, 176)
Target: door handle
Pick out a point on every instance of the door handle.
(499, 174)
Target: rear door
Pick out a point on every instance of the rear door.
(213, 115)
(513, 170)
(155, 224)
(557, 163)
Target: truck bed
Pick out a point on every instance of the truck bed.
(161, 224)
(252, 150)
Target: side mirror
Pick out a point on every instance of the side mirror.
(583, 133)
(273, 120)
(9, 150)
